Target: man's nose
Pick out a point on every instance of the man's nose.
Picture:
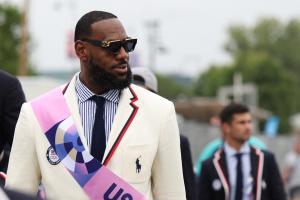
(249, 125)
(122, 54)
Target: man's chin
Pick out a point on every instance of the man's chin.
(120, 83)
(243, 140)
(121, 78)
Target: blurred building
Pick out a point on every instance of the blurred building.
(34, 86)
(198, 108)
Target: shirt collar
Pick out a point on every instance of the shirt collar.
(245, 149)
(85, 94)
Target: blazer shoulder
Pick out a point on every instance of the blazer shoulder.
(6, 76)
(269, 156)
(266, 153)
(209, 161)
(217, 155)
(8, 80)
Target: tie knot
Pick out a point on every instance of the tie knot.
(99, 100)
(238, 155)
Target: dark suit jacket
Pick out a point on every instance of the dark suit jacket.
(267, 183)
(14, 195)
(187, 167)
(11, 100)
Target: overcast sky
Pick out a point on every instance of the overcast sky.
(192, 31)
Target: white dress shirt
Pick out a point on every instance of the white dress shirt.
(87, 109)
(231, 162)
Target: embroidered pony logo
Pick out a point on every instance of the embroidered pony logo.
(138, 165)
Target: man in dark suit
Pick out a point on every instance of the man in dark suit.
(239, 171)
(11, 99)
(6, 194)
(187, 168)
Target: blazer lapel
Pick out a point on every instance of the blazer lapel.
(224, 165)
(125, 114)
(257, 162)
(254, 167)
(221, 167)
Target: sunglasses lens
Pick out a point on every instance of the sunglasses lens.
(115, 46)
(129, 45)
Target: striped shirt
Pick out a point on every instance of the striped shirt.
(87, 109)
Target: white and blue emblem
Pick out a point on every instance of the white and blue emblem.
(52, 157)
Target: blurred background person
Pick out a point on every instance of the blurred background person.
(11, 99)
(217, 143)
(143, 77)
(291, 170)
(239, 171)
(6, 194)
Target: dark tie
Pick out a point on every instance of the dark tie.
(98, 137)
(239, 178)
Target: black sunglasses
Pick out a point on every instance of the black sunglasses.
(114, 46)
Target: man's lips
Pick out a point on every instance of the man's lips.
(121, 69)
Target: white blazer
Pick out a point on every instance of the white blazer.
(151, 134)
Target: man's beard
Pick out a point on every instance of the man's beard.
(107, 79)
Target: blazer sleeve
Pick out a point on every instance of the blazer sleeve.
(167, 178)
(23, 172)
(275, 182)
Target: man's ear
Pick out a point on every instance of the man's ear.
(81, 51)
(225, 127)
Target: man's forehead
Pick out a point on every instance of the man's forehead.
(108, 29)
(238, 116)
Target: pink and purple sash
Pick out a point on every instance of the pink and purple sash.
(53, 115)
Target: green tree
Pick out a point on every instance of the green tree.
(10, 22)
(277, 87)
(280, 41)
(210, 81)
(265, 54)
(170, 88)
(289, 47)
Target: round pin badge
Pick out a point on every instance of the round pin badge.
(52, 158)
(216, 184)
(249, 185)
(263, 184)
(249, 180)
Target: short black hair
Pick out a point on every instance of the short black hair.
(83, 26)
(228, 111)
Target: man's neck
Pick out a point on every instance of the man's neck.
(235, 145)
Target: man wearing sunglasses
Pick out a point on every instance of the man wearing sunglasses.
(99, 122)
